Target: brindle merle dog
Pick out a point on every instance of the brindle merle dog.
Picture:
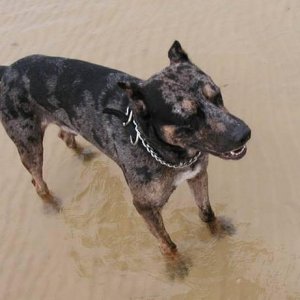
(159, 131)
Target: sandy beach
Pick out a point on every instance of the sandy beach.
(98, 247)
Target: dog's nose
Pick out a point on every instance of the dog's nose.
(241, 134)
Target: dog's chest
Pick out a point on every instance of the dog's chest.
(185, 175)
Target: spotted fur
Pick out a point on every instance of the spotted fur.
(179, 110)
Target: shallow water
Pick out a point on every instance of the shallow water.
(98, 247)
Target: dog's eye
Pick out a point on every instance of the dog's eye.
(200, 113)
(213, 94)
(217, 100)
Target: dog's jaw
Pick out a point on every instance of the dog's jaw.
(235, 154)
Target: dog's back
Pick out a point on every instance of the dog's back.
(55, 82)
(2, 69)
(67, 92)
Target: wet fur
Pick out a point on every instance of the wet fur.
(177, 109)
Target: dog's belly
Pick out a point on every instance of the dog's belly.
(185, 175)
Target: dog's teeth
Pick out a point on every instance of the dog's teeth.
(234, 153)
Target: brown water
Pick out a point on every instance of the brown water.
(98, 247)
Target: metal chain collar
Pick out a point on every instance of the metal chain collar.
(150, 150)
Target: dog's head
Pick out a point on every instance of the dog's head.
(185, 109)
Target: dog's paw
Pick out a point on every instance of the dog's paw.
(221, 226)
(85, 154)
(52, 204)
(177, 266)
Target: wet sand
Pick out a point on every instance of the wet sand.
(98, 247)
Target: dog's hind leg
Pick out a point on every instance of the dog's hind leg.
(27, 134)
(68, 138)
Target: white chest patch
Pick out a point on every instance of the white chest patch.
(186, 175)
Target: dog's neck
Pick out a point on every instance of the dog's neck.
(166, 154)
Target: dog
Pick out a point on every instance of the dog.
(160, 131)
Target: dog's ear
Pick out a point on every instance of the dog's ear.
(176, 54)
(132, 90)
(135, 95)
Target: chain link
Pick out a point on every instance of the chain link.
(150, 150)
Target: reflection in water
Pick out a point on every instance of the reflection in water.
(108, 227)
(109, 236)
(251, 48)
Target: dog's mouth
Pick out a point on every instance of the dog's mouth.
(233, 154)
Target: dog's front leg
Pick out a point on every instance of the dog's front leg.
(199, 187)
(154, 221)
